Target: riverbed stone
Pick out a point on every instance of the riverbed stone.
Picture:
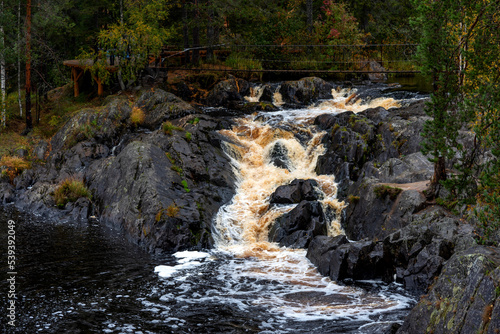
(305, 90)
(296, 228)
(297, 191)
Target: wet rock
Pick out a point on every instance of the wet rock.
(279, 156)
(295, 192)
(375, 215)
(232, 89)
(305, 91)
(464, 299)
(322, 247)
(296, 228)
(243, 107)
(159, 106)
(268, 94)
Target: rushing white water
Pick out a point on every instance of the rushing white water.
(279, 279)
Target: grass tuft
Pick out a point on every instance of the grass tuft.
(168, 127)
(14, 166)
(70, 190)
(137, 116)
(383, 191)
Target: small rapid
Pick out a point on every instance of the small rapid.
(84, 278)
(258, 277)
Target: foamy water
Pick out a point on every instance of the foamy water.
(255, 272)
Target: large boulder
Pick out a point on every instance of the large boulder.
(296, 228)
(297, 191)
(159, 106)
(161, 191)
(103, 125)
(378, 209)
(305, 91)
(413, 255)
(367, 140)
(228, 91)
(464, 299)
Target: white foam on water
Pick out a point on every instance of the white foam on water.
(253, 272)
(187, 260)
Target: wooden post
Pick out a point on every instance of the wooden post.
(100, 89)
(76, 75)
(76, 90)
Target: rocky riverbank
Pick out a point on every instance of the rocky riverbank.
(162, 184)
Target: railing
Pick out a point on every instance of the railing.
(373, 58)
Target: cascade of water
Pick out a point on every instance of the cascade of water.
(255, 94)
(244, 222)
(255, 271)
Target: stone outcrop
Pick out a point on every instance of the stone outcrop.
(464, 299)
(161, 189)
(413, 256)
(296, 228)
(228, 91)
(296, 192)
(305, 91)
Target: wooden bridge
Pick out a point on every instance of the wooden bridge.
(372, 58)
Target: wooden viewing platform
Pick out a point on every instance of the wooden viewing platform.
(78, 67)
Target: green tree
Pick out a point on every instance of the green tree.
(141, 34)
(459, 51)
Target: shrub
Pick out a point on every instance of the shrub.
(14, 166)
(137, 116)
(383, 191)
(172, 210)
(168, 127)
(70, 190)
(188, 136)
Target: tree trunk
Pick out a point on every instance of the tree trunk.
(196, 34)
(29, 120)
(309, 10)
(121, 12)
(185, 31)
(3, 111)
(19, 59)
(211, 32)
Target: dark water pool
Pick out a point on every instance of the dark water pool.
(83, 278)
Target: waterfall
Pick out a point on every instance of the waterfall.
(258, 278)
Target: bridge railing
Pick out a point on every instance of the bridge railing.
(372, 58)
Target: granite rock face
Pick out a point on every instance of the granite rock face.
(464, 299)
(162, 190)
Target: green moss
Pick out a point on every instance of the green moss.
(383, 191)
(185, 185)
(170, 158)
(353, 199)
(188, 136)
(194, 121)
(176, 169)
(168, 128)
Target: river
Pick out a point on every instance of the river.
(85, 278)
